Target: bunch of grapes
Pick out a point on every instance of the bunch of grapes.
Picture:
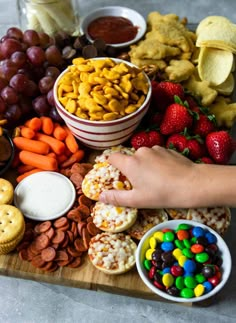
(30, 62)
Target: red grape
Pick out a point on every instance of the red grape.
(9, 95)
(13, 113)
(9, 46)
(55, 115)
(31, 90)
(31, 38)
(19, 59)
(15, 32)
(3, 83)
(41, 106)
(7, 69)
(44, 39)
(25, 105)
(52, 71)
(46, 84)
(36, 55)
(2, 106)
(50, 98)
(19, 82)
(54, 56)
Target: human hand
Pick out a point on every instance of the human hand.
(160, 178)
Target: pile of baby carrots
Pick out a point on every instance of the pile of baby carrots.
(43, 144)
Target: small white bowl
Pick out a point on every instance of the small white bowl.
(136, 18)
(173, 224)
(103, 134)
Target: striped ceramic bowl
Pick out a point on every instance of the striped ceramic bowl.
(103, 134)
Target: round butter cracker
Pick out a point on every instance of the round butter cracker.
(6, 192)
(11, 223)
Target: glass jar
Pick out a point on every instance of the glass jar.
(49, 16)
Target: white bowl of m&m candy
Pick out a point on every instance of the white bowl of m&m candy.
(183, 261)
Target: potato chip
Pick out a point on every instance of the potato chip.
(218, 35)
(209, 20)
(227, 87)
(214, 65)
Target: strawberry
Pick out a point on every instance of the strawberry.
(205, 160)
(220, 146)
(155, 138)
(140, 139)
(204, 125)
(164, 92)
(148, 138)
(196, 148)
(176, 118)
(191, 101)
(177, 141)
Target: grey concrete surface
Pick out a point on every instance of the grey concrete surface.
(23, 301)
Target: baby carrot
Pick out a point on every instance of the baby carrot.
(70, 141)
(47, 125)
(34, 123)
(61, 158)
(52, 154)
(38, 161)
(30, 172)
(58, 132)
(74, 158)
(56, 145)
(27, 132)
(32, 145)
(24, 168)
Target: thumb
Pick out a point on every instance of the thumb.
(114, 197)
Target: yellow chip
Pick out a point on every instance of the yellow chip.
(209, 20)
(214, 65)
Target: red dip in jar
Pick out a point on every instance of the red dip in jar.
(113, 30)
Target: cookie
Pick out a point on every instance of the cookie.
(6, 192)
(116, 149)
(112, 253)
(113, 219)
(103, 177)
(147, 218)
(177, 214)
(217, 218)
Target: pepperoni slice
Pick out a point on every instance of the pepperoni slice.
(59, 236)
(33, 248)
(74, 215)
(92, 229)
(80, 227)
(50, 233)
(73, 252)
(48, 254)
(61, 222)
(37, 261)
(89, 219)
(65, 242)
(22, 245)
(86, 237)
(74, 229)
(23, 254)
(65, 227)
(63, 263)
(79, 245)
(42, 227)
(70, 236)
(61, 255)
(52, 268)
(76, 179)
(47, 265)
(75, 263)
(41, 241)
(84, 200)
(84, 211)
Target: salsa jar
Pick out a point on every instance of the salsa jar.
(49, 16)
